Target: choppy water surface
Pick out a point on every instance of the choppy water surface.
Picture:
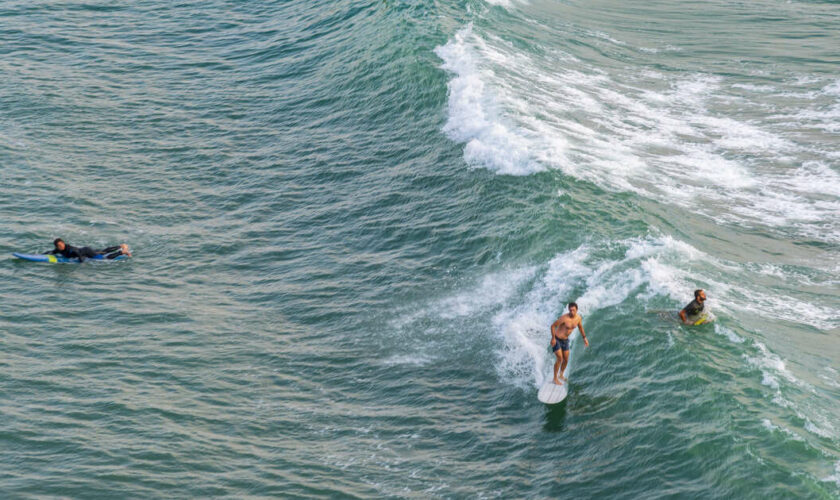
(354, 221)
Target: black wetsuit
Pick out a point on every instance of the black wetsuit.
(83, 253)
(693, 308)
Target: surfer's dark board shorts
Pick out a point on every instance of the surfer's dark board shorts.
(561, 344)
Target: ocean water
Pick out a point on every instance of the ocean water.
(354, 221)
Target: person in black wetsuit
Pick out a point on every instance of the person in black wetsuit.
(83, 253)
(694, 308)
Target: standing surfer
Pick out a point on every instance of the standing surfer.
(694, 308)
(560, 331)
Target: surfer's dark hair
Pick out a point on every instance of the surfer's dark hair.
(573, 304)
(55, 241)
(697, 292)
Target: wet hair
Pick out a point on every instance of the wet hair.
(573, 304)
(697, 293)
(55, 241)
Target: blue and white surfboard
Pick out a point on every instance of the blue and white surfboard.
(58, 259)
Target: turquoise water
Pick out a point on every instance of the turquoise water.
(354, 221)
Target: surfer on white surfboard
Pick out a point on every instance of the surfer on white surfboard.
(560, 331)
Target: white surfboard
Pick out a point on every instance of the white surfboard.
(551, 393)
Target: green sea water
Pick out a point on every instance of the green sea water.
(354, 221)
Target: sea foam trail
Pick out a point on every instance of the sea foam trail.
(646, 270)
(666, 137)
(511, 310)
(520, 303)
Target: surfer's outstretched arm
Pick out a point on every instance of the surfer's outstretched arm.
(582, 333)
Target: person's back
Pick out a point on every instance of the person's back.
(82, 253)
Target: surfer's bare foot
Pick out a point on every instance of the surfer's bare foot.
(564, 378)
(557, 382)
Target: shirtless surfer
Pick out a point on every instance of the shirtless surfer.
(560, 331)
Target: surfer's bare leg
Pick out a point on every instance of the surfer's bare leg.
(565, 357)
(557, 363)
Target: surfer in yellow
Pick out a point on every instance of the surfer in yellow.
(692, 313)
(560, 331)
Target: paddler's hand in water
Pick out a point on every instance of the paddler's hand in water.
(585, 342)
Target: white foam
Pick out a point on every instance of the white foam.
(407, 359)
(814, 177)
(776, 428)
(833, 88)
(831, 377)
(729, 334)
(824, 112)
(474, 114)
(664, 138)
(487, 293)
(773, 370)
(493, 289)
(769, 380)
(656, 50)
(501, 3)
(813, 429)
(605, 36)
(835, 478)
(772, 362)
(768, 304)
(754, 88)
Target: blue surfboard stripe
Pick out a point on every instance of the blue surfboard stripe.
(39, 257)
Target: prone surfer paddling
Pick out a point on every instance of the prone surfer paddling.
(694, 308)
(83, 253)
(560, 331)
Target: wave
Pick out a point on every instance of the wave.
(510, 311)
(700, 141)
